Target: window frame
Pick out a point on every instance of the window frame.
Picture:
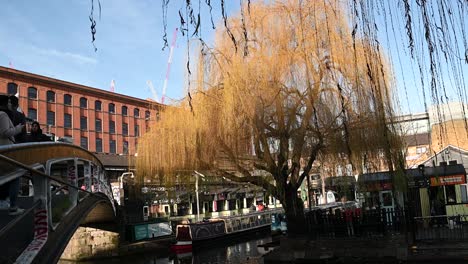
(9, 86)
(85, 127)
(87, 142)
(30, 110)
(100, 145)
(136, 113)
(110, 146)
(85, 101)
(32, 89)
(96, 103)
(48, 94)
(124, 113)
(65, 96)
(111, 128)
(109, 108)
(48, 118)
(96, 125)
(65, 120)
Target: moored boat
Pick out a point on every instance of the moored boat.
(188, 235)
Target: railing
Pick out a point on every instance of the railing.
(441, 227)
(355, 223)
(62, 176)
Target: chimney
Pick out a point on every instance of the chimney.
(443, 163)
(453, 162)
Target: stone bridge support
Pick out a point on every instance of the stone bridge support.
(91, 243)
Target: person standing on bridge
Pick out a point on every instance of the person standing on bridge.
(36, 134)
(7, 137)
(17, 118)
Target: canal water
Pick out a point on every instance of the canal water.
(236, 250)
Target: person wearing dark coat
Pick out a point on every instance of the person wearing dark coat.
(36, 134)
(17, 118)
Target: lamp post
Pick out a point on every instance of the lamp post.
(196, 193)
(121, 189)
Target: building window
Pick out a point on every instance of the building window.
(67, 121)
(84, 142)
(112, 148)
(450, 195)
(136, 112)
(50, 118)
(125, 129)
(50, 96)
(32, 93)
(98, 145)
(83, 102)
(32, 113)
(125, 147)
(98, 105)
(464, 193)
(67, 99)
(112, 108)
(83, 123)
(421, 150)
(98, 125)
(137, 130)
(112, 127)
(147, 115)
(12, 88)
(124, 110)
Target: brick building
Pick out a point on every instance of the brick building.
(97, 120)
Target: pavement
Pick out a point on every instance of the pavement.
(390, 249)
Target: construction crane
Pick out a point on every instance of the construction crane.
(153, 91)
(169, 61)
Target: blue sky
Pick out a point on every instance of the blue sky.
(53, 38)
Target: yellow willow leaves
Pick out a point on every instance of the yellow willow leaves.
(303, 77)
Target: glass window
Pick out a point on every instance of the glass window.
(125, 147)
(32, 93)
(137, 130)
(32, 113)
(67, 120)
(83, 102)
(420, 150)
(67, 99)
(84, 142)
(50, 96)
(98, 124)
(83, 123)
(98, 145)
(12, 88)
(124, 110)
(450, 196)
(112, 127)
(51, 118)
(112, 108)
(98, 106)
(136, 112)
(112, 148)
(147, 114)
(125, 129)
(464, 193)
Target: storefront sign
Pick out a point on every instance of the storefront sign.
(448, 180)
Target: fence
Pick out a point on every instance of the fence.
(441, 227)
(356, 223)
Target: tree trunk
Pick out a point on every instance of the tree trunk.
(294, 209)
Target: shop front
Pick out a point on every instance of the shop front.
(440, 190)
(375, 190)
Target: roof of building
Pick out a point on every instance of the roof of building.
(112, 161)
(417, 139)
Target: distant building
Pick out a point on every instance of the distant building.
(95, 119)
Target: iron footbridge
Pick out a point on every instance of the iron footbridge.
(62, 187)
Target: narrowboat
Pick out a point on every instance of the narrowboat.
(191, 234)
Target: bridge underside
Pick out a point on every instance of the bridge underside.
(92, 211)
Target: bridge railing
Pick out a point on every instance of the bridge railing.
(62, 176)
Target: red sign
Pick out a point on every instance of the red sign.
(448, 180)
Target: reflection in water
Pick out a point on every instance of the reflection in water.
(241, 250)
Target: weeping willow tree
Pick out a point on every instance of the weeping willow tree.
(304, 90)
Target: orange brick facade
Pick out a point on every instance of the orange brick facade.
(140, 113)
